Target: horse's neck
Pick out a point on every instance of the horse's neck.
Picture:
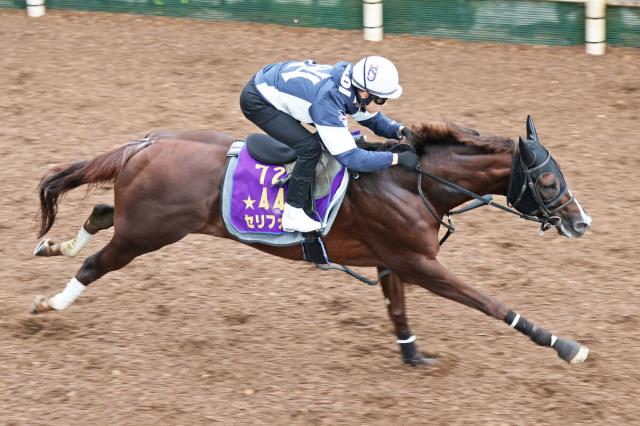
(482, 173)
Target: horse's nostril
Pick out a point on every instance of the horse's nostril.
(580, 227)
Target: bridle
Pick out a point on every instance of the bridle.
(527, 201)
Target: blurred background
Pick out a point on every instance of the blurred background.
(211, 331)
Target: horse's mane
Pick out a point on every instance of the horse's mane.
(452, 134)
(448, 134)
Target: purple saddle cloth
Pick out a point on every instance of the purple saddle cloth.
(253, 202)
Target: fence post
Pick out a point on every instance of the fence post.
(372, 19)
(596, 26)
(35, 8)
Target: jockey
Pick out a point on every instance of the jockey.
(282, 96)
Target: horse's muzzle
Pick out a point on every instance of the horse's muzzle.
(580, 228)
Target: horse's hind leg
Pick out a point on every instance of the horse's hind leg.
(112, 257)
(393, 290)
(100, 218)
(115, 255)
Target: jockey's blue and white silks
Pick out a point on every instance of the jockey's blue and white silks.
(323, 95)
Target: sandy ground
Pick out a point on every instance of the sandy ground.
(211, 331)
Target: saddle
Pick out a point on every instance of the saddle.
(268, 150)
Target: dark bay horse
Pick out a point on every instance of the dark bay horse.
(167, 186)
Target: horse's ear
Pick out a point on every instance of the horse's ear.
(525, 153)
(531, 130)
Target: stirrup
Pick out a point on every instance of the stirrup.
(313, 249)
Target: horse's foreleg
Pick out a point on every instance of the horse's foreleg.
(101, 218)
(393, 290)
(433, 276)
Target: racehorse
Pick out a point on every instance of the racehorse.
(168, 186)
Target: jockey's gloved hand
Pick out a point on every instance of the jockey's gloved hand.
(405, 133)
(407, 159)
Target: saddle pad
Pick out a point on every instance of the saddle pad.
(252, 203)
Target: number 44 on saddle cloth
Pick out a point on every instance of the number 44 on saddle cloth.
(253, 196)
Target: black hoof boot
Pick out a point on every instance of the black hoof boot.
(421, 361)
(571, 351)
(412, 357)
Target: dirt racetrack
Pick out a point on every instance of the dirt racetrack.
(210, 331)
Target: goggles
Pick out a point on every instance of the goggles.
(372, 98)
(377, 100)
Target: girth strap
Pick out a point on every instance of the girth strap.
(354, 274)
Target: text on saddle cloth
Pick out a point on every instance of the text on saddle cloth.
(258, 195)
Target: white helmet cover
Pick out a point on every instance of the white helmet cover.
(378, 76)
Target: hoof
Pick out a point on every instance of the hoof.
(581, 356)
(40, 305)
(571, 351)
(45, 248)
(420, 361)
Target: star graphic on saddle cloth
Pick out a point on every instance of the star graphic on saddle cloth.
(248, 203)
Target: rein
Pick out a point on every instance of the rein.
(479, 202)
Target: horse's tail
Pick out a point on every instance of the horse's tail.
(102, 169)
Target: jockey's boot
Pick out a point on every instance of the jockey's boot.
(295, 219)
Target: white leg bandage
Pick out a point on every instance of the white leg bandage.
(72, 247)
(70, 293)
